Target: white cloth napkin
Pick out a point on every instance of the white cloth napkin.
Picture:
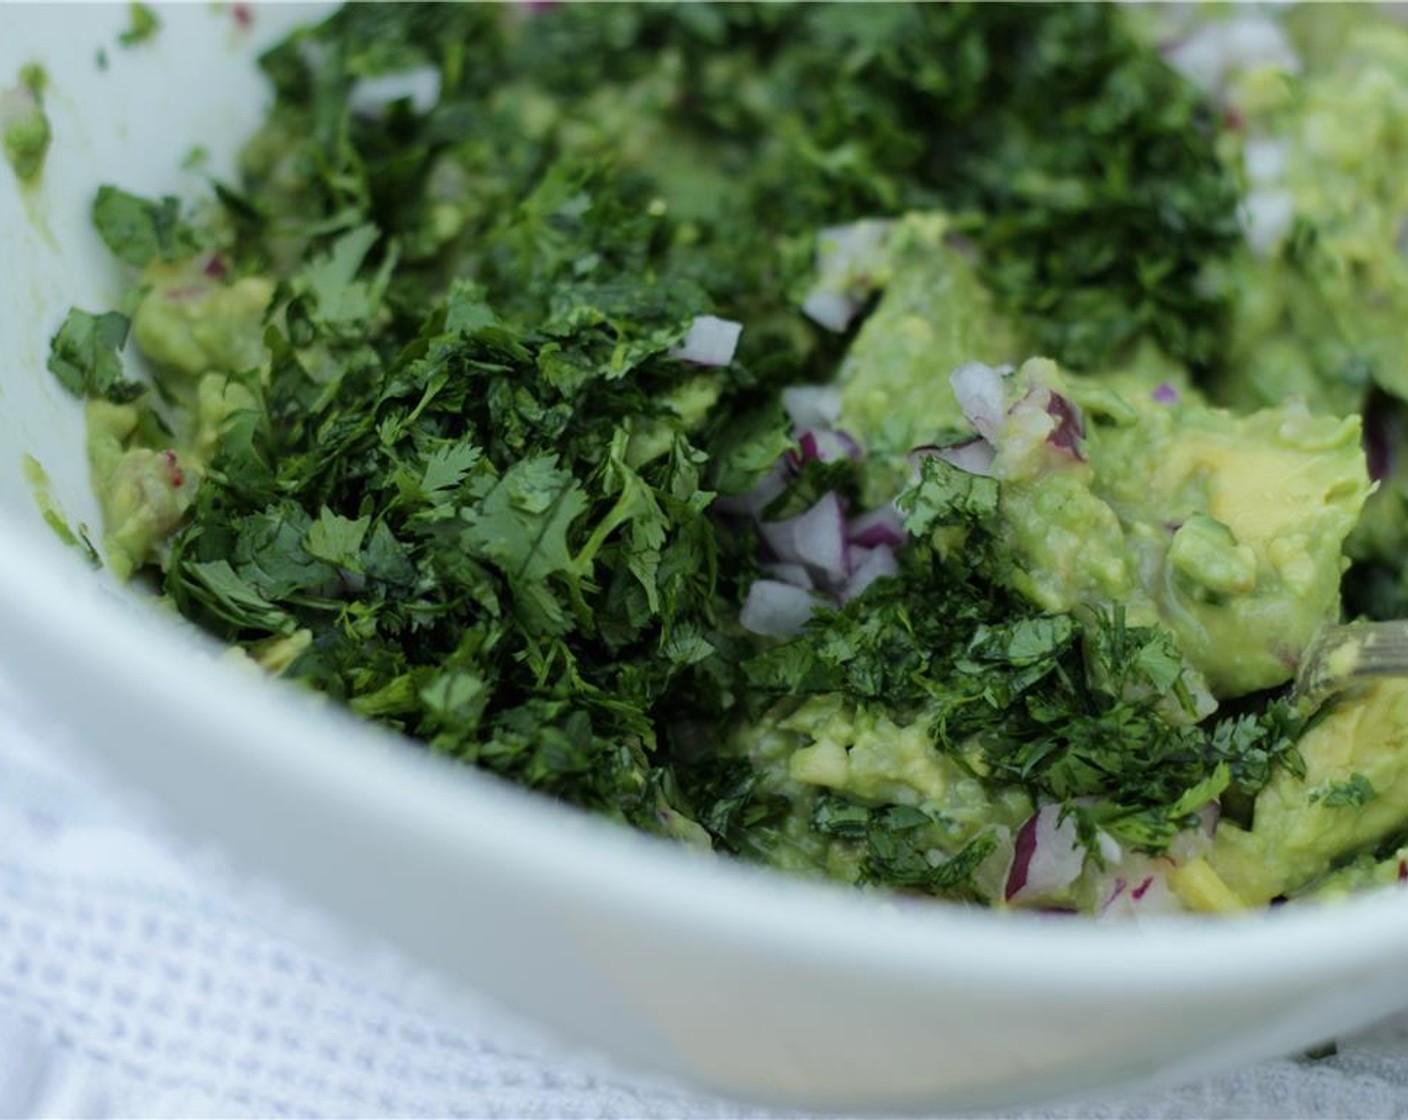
(136, 981)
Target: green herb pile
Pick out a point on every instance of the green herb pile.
(472, 495)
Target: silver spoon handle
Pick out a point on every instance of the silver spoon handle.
(1341, 655)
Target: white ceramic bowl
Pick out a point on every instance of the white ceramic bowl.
(731, 978)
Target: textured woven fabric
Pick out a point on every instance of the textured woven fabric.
(133, 984)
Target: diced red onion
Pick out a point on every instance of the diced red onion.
(979, 390)
(976, 456)
(1048, 857)
(775, 609)
(710, 341)
(883, 526)
(868, 565)
(812, 406)
(1070, 425)
(827, 446)
(421, 85)
(795, 574)
(831, 310)
(1165, 392)
(1140, 892)
(816, 538)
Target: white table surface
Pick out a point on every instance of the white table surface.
(137, 980)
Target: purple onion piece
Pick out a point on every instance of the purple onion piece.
(883, 526)
(976, 457)
(1165, 392)
(825, 446)
(1022, 851)
(816, 538)
(868, 566)
(1070, 425)
(795, 574)
(1048, 856)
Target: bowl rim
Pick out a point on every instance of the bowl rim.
(579, 855)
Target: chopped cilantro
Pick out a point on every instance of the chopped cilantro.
(1353, 792)
(138, 230)
(86, 356)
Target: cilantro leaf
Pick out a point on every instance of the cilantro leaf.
(86, 356)
(138, 230)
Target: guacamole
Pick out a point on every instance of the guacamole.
(776, 429)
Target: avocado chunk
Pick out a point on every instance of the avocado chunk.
(1228, 529)
(935, 314)
(1352, 796)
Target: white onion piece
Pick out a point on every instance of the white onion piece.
(764, 492)
(831, 310)
(976, 456)
(812, 406)
(775, 609)
(816, 538)
(421, 85)
(710, 341)
(883, 526)
(979, 390)
(1048, 857)
(869, 564)
(795, 574)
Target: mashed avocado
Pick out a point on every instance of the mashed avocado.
(1323, 292)
(935, 314)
